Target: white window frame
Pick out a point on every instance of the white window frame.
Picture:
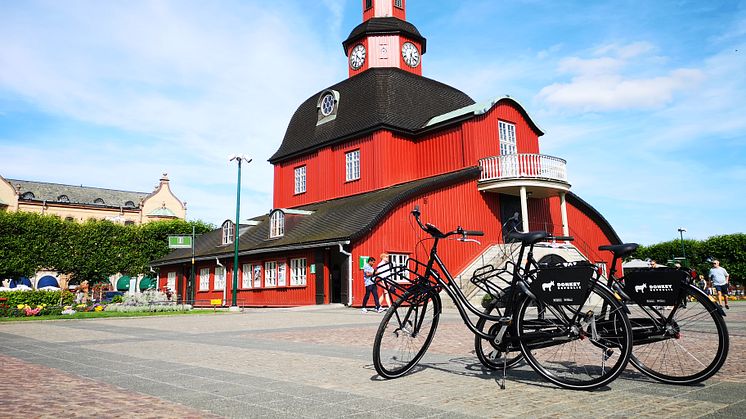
(256, 272)
(277, 224)
(508, 144)
(282, 274)
(396, 260)
(204, 279)
(228, 230)
(171, 281)
(300, 180)
(298, 272)
(246, 280)
(270, 274)
(219, 278)
(352, 165)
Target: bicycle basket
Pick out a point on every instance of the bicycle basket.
(655, 287)
(563, 284)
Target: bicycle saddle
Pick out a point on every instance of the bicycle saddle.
(620, 250)
(528, 238)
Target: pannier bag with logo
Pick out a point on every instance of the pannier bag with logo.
(655, 287)
(564, 284)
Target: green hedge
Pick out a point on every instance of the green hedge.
(35, 298)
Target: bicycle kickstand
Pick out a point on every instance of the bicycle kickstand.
(505, 367)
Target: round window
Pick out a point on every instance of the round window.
(327, 105)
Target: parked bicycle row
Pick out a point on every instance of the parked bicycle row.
(574, 327)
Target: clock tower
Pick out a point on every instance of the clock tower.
(384, 39)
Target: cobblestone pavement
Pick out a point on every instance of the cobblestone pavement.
(307, 362)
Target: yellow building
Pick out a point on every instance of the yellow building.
(80, 203)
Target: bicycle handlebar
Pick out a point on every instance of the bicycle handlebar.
(435, 232)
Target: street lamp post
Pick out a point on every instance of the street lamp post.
(238, 159)
(682, 230)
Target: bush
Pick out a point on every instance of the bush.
(154, 308)
(117, 299)
(35, 298)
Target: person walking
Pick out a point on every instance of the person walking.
(720, 280)
(370, 285)
(384, 271)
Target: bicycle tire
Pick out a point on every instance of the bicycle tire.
(688, 353)
(581, 361)
(487, 352)
(405, 332)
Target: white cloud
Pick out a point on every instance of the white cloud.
(607, 82)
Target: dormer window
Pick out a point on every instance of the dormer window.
(98, 201)
(228, 230)
(327, 106)
(28, 195)
(276, 224)
(129, 204)
(63, 198)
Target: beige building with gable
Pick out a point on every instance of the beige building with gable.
(81, 203)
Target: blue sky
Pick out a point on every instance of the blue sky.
(645, 100)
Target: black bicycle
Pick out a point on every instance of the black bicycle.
(567, 325)
(679, 334)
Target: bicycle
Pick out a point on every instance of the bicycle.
(576, 335)
(673, 340)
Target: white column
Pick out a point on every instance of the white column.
(563, 211)
(524, 208)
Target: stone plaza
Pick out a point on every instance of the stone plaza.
(308, 362)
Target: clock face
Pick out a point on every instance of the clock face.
(357, 56)
(410, 54)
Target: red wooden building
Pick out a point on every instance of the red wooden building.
(359, 155)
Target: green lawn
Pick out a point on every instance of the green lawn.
(102, 314)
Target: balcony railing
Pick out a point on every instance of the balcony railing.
(531, 166)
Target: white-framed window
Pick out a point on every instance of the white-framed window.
(277, 224)
(398, 3)
(507, 138)
(204, 279)
(270, 274)
(352, 165)
(300, 179)
(257, 272)
(298, 271)
(228, 230)
(399, 260)
(281, 274)
(171, 281)
(246, 276)
(219, 278)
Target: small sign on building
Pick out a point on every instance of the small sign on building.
(179, 242)
(363, 261)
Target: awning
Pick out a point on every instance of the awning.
(123, 283)
(47, 281)
(148, 283)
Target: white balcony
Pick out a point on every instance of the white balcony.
(541, 175)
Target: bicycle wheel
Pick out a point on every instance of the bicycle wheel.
(489, 354)
(405, 332)
(584, 354)
(685, 346)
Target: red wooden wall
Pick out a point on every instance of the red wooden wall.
(446, 208)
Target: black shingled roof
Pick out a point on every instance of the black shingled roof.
(337, 220)
(385, 26)
(388, 98)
